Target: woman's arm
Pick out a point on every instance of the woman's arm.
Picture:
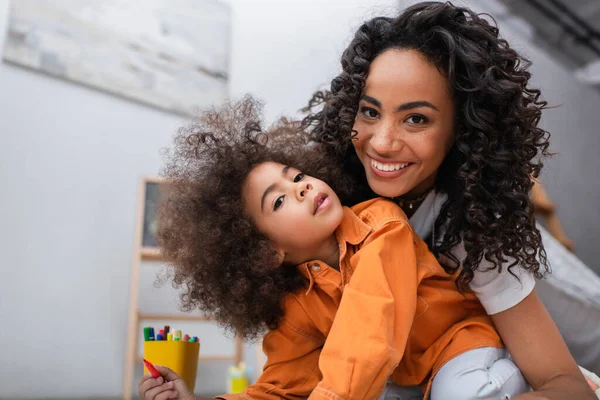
(535, 344)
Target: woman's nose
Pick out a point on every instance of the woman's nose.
(302, 189)
(386, 139)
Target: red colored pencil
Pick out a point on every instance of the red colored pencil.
(153, 371)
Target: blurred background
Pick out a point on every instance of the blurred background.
(91, 90)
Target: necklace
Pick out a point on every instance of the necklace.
(410, 203)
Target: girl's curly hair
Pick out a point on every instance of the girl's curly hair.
(488, 172)
(228, 269)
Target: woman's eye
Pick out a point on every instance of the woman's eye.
(278, 203)
(369, 112)
(298, 177)
(417, 119)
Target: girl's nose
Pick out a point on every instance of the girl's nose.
(302, 189)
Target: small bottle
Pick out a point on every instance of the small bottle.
(237, 378)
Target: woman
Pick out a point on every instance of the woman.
(434, 110)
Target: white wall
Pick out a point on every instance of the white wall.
(71, 157)
(70, 160)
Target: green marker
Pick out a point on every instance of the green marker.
(147, 333)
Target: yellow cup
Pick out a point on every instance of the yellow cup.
(180, 356)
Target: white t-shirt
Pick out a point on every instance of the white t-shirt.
(497, 291)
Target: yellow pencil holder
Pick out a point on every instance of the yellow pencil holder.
(180, 356)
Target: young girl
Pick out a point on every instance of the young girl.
(350, 296)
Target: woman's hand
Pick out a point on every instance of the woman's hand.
(536, 346)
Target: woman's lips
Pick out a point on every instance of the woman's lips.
(394, 170)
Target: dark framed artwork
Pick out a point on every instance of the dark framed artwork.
(151, 204)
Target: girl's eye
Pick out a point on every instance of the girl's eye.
(278, 203)
(298, 177)
(417, 119)
(369, 112)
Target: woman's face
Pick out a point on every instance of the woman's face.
(405, 124)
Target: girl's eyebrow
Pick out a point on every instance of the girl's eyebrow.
(402, 107)
(272, 187)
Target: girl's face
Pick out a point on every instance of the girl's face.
(298, 213)
(405, 124)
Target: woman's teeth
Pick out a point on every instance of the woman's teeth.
(388, 167)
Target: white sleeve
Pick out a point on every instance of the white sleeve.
(498, 291)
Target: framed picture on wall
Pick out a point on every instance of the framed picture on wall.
(151, 204)
(173, 55)
(152, 192)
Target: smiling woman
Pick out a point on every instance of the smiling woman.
(434, 110)
(404, 125)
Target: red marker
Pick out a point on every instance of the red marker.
(153, 371)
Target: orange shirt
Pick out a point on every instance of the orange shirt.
(400, 316)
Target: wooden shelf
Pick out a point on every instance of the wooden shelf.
(172, 317)
(540, 199)
(152, 254)
(544, 207)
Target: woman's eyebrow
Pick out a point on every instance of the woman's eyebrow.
(402, 107)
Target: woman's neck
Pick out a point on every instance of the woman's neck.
(409, 211)
(411, 206)
(421, 189)
(412, 200)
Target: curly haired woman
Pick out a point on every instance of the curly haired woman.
(434, 110)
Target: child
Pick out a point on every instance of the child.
(350, 296)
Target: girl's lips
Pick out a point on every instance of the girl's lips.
(319, 201)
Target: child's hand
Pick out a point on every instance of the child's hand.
(168, 386)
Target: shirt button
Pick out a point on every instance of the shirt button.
(316, 267)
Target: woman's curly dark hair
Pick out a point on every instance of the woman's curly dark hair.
(228, 269)
(488, 172)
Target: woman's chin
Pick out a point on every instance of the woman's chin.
(387, 189)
